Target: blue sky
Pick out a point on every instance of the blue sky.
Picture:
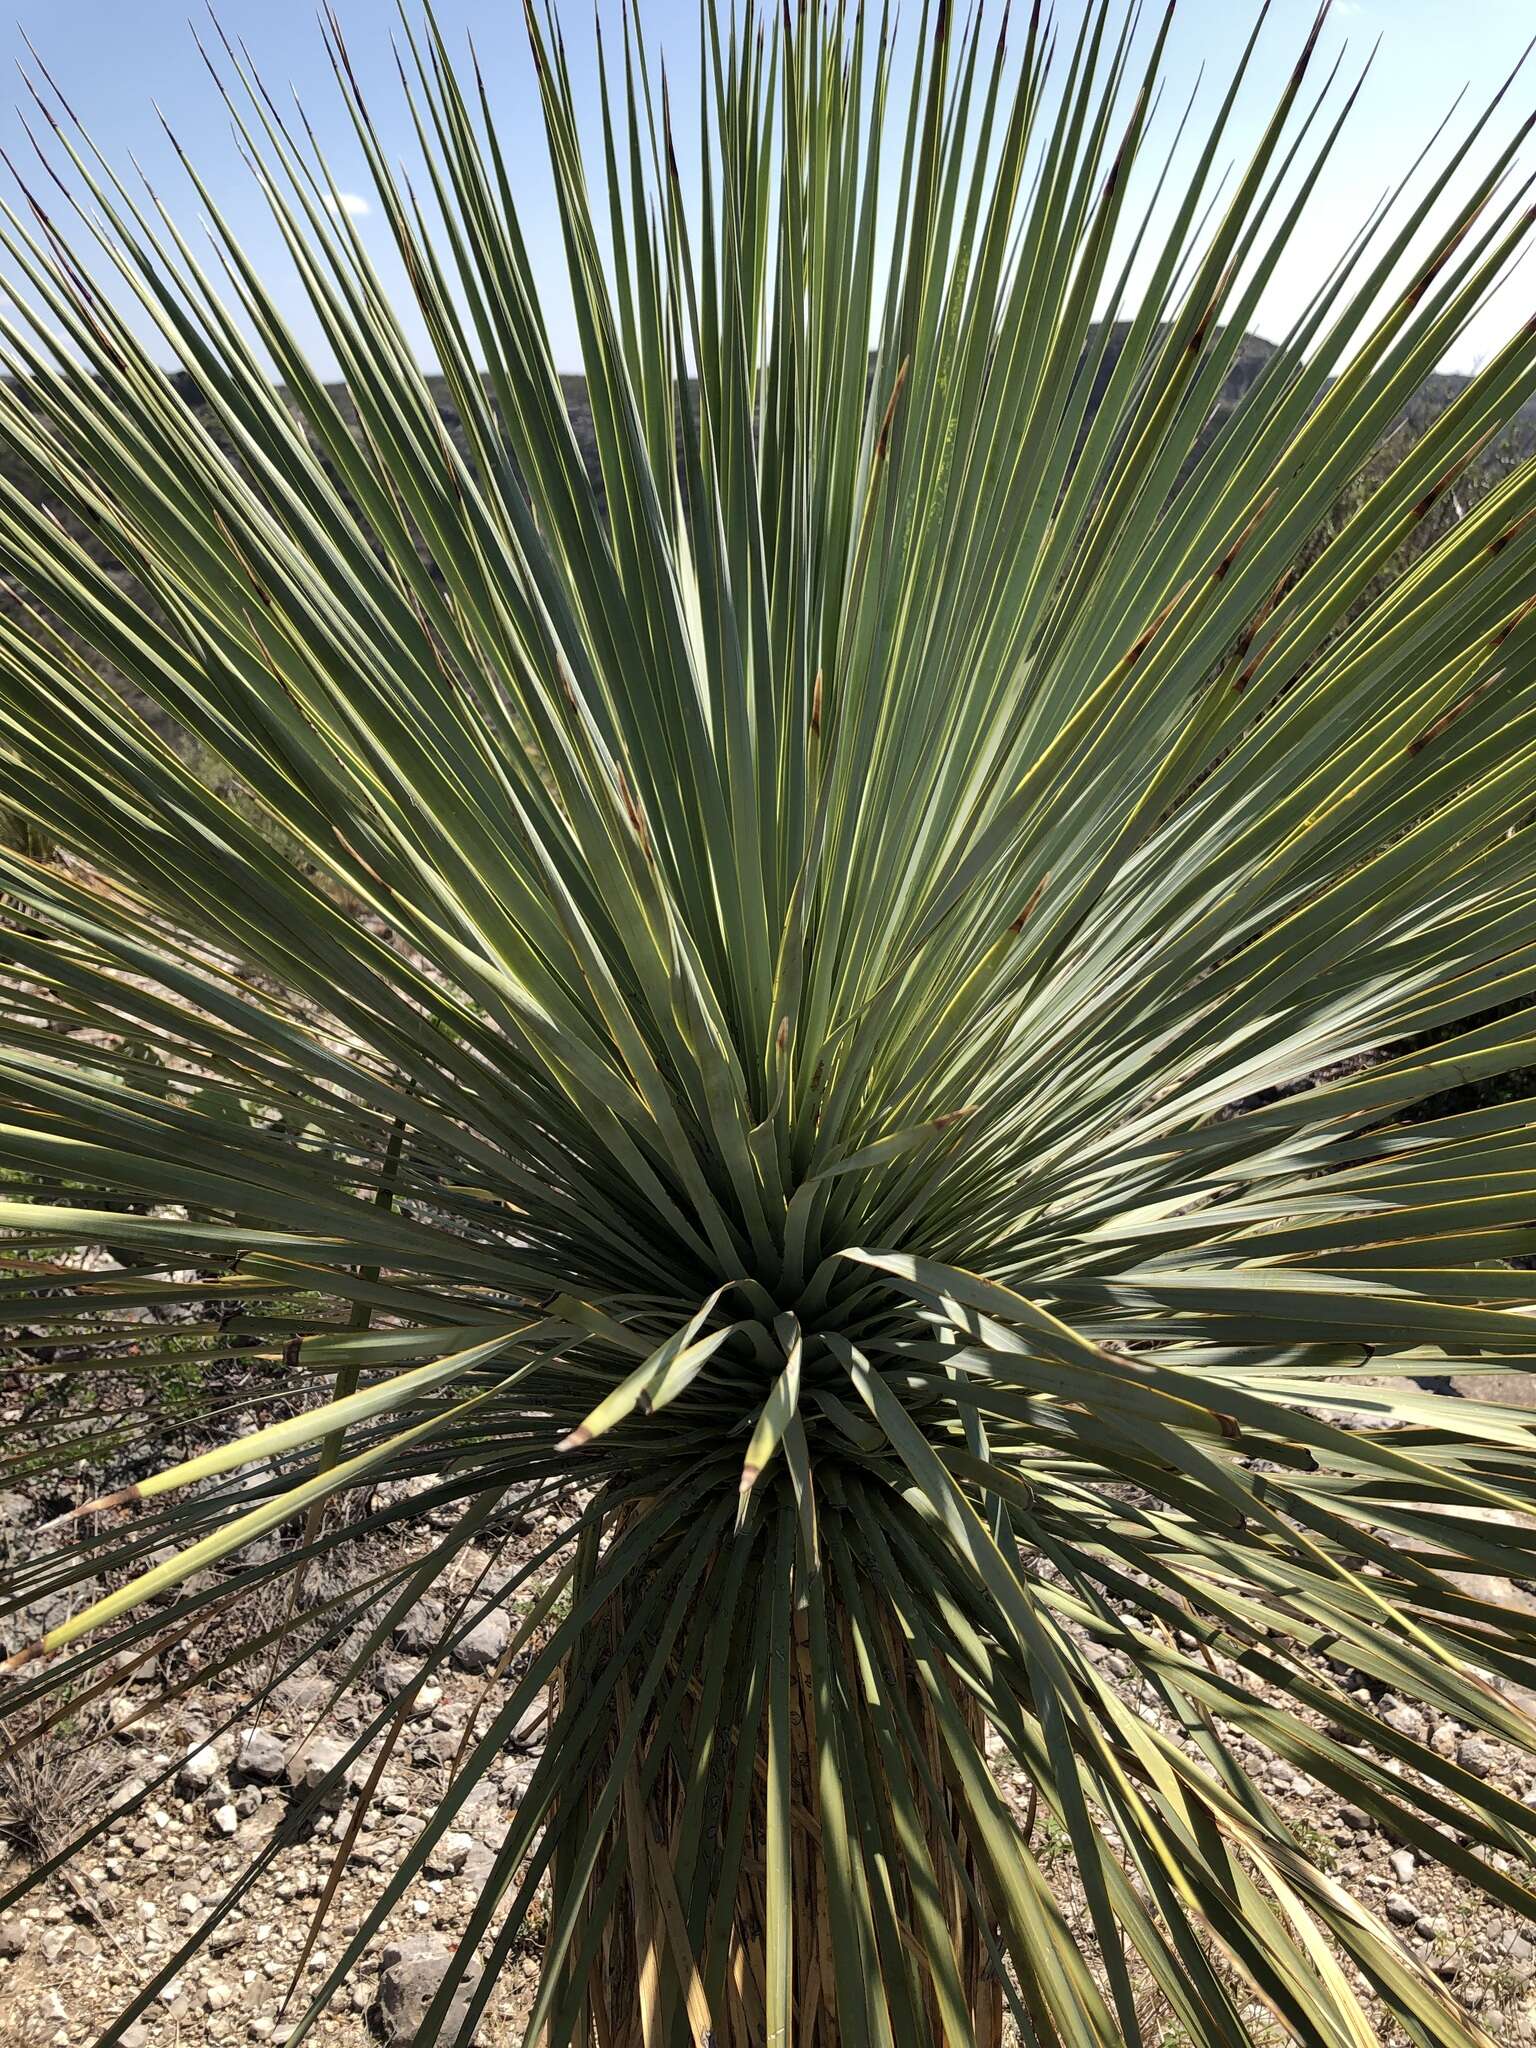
(116, 58)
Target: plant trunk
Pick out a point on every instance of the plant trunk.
(667, 1958)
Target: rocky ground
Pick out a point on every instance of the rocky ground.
(74, 1950)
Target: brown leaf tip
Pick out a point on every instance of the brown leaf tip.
(102, 1505)
(1029, 908)
(883, 439)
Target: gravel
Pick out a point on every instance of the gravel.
(204, 1803)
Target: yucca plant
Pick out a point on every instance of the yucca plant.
(852, 995)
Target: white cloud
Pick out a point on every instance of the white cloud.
(351, 203)
(1345, 8)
